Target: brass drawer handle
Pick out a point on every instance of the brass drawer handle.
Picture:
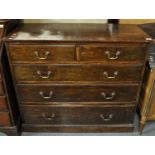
(112, 95)
(48, 117)
(36, 53)
(44, 76)
(46, 97)
(106, 118)
(112, 58)
(110, 77)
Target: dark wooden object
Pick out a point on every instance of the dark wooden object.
(77, 77)
(9, 113)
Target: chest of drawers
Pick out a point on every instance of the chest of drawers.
(77, 77)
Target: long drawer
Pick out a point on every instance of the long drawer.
(77, 93)
(3, 104)
(49, 73)
(102, 53)
(4, 119)
(78, 115)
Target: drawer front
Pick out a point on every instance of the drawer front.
(48, 73)
(77, 115)
(42, 53)
(69, 53)
(112, 53)
(70, 93)
(3, 103)
(1, 88)
(4, 119)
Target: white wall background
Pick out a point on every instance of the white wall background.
(65, 20)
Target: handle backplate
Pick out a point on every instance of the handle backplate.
(112, 95)
(36, 53)
(112, 57)
(41, 93)
(49, 73)
(48, 117)
(106, 74)
(106, 117)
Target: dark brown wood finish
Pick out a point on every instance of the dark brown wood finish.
(103, 53)
(3, 104)
(65, 73)
(75, 93)
(5, 119)
(42, 53)
(1, 88)
(74, 33)
(9, 113)
(83, 73)
(78, 115)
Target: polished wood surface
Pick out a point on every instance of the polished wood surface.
(3, 104)
(42, 53)
(76, 93)
(78, 115)
(74, 77)
(83, 73)
(103, 53)
(78, 33)
(4, 119)
(112, 53)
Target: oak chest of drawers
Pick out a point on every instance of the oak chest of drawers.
(77, 77)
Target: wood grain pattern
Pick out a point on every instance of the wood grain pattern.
(4, 119)
(78, 128)
(78, 33)
(67, 90)
(147, 99)
(76, 93)
(86, 53)
(112, 53)
(29, 73)
(3, 104)
(77, 115)
(56, 53)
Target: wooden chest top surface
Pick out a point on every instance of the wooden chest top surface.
(78, 33)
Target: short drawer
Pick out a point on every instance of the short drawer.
(3, 103)
(78, 115)
(1, 88)
(4, 119)
(42, 53)
(49, 73)
(76, 93)
(112, 53)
